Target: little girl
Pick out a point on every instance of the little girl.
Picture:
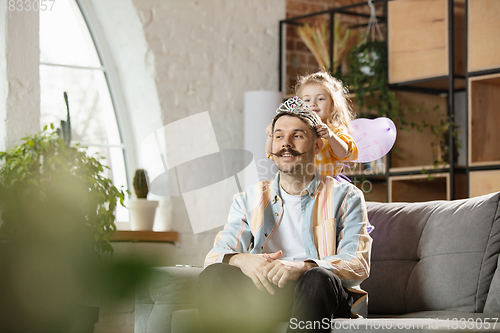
(326, 96)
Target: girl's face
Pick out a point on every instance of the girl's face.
(318, 99)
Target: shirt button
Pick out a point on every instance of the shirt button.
(265, 235)
(275, 214)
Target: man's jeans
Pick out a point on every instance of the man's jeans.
(230, 302)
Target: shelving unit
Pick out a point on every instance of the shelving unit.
(414, 148)
(484, 182)
(419, 44)
(444, 53)
(483, 97)
(427, 58)
(373, 181)
(417, 188)
(484, 120)
(483, 29)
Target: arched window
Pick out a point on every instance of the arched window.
(70, 61)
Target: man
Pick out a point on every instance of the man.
(295, 248)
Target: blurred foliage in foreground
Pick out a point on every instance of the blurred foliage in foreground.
(51, 263)
(43, 162)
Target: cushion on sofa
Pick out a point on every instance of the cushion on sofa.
(433, 256)
(493, 300)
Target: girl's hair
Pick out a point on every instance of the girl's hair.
(342, 114)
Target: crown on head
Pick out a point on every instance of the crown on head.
(297, 106)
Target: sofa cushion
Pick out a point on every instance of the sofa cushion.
(433, 256)
(493, 300)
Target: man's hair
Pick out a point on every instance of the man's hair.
(306, 121)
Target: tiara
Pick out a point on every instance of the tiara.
(297, 106)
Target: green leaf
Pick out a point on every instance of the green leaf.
(34, 168)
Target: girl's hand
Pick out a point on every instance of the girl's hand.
(269, 130)
(323, 131)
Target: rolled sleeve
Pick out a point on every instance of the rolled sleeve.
(352, 148)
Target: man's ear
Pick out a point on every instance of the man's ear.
(318, 145)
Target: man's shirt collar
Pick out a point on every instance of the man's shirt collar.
(310, 189)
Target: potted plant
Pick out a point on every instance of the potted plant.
(142, 211)
(367, 78)
(441, 140)
(44, 162)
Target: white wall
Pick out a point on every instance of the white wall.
(19, 79)
(207, 54)
(178, 58)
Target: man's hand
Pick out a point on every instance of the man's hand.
(253, 266)
(280, 272)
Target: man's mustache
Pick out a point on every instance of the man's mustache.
(287, 150)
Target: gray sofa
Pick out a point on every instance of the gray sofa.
(434, 268)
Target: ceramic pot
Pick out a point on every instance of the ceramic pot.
(142, 214)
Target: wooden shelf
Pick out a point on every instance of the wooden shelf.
(419, 168)
(484, 120)
(484, 48)
(438, 84)
(460, 184)
(132, 236)
(419, 188)
(358, 170)
(415, 148)
(484, 182)
(375, 177)
(374, 191)
(144, 236)
(418, 44)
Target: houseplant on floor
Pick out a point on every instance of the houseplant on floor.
(142, 211)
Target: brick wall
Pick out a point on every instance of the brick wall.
(298, 59)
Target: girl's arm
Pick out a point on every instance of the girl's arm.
(340, 147)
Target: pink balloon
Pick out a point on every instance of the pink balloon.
(374, 137)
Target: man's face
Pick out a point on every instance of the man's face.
(294, 145)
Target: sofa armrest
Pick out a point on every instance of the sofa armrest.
(168, 290)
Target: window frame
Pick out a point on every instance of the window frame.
(114, 85)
